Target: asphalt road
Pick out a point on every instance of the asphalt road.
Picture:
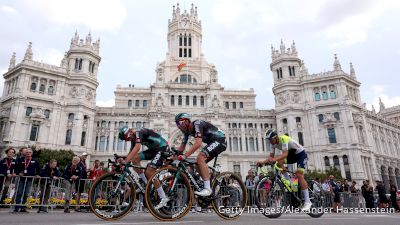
(60, 218)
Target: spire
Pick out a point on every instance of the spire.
(29, 53)
(272, 51)
(373, 109)
(173, 12)
(381, 105)
(88, 40)
(178, 10)
(336, 64)
(352, 72)
(282, 47)
(294, 50)
(64, 60)
(12, 61)
(192, 10)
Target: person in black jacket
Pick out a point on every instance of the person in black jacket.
(27, 168)
(72, 173)
(80, 185)
(48, 174)
(7, 167)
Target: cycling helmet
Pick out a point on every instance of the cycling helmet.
(122, 131)
(270, 133)
(182, 116)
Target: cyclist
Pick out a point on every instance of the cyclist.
(156, 144)
(292, 152)
(202, 131)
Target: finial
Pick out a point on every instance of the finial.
(352, 72)
(381, 105)
(373, 109)
(294, 50)
(29, 53)
(12, 61)
(88, 39)
(282, 47)
(192, 10)
(336, 63)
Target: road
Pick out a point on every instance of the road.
(60, 218)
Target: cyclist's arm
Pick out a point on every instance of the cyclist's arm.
(133, 152)
(182, 147)
(197, 144)
(284, 155)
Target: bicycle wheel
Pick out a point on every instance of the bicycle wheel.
(230, 196)
(271, 198)
(318, 200)
(181, 194)
(109, 199)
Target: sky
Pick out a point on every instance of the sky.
(237, 39)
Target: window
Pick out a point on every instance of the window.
(251, 145)
(346, 167)
(28, 111)
(50, 90)
(103, 143)
(336, 163)
(324, 95)
(320, 118)
(284, 121)
(172, 100)
(333, 94)
(227, 105)
(83, 138)
(42, 89)
(91, 67)
(331, 135)
(298, 120)
(327, 163)
(76, 63)
(201, 100)
(138, 124)
(241, 105)
(47, 113)
(233, 105)
(236, 169)
(317, 96)
(144, 103)
(33, 86)
(300, 136)
(80, 64)
(336, 115)
(68, 137)
(187, 100)
(235, 146)
(129, 103)
(180, 100)
(291, 71)
(34, 133)
(137, 103)
(279, 73)
(194, 100)
(71, 116)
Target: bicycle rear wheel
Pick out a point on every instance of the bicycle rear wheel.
(317, 198)
(109, 199)
(180, 194)
(271, 198)
(230, 196)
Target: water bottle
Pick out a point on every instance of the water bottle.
(294, 184)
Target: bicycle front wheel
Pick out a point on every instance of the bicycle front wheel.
(176, 187)
(110, 198)
(230, 196)
(270, 198)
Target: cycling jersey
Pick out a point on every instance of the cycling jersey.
(204, 130)
(286, 143)
(149, 138)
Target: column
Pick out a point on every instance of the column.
(342, 167)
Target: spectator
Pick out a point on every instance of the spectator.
(380, 188)
(7, 167)
(80, 185)
(27, 167)
(336, 192)
(393, 199)
(346, 186)
(21, 152)
(97, 170)
(352, 187)
(316, 187)
(49, 173)
(367, 192)
(73, 172)
(250, 187)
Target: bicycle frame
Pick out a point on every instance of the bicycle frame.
(127, 173)
(278, 176)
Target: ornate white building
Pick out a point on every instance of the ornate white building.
(55, 106)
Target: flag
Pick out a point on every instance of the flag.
(180, 66)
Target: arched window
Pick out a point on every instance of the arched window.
(327, 163)
(194, 100)
(47, 113)
(333, 94)
(241, 105)
(144, 103)
(50, 90)
(180, 100)
(324, 95)
(336, 162)
(137, 103)
(235, 145)
(320, 118)
(42, 88)
(68, 137)
(172, 100)
(33, 86)
(28, 111)
(317, 96)
(71, 116)
(201, 100)
(83, 138)
(300, 136)
(187, 100)
(129, 103)
(336, 116)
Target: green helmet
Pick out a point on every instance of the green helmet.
(181, 116)
(122, 131)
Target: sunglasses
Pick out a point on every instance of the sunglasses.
(180, 123)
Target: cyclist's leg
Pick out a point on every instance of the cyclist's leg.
(207, 154)
(143, 155)
(301, 165)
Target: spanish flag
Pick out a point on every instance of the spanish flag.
(180, 66)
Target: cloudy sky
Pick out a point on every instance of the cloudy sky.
(237, 36)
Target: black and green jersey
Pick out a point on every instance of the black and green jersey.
(149, 138)
(204, 130)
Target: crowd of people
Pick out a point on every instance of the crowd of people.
(21, 170)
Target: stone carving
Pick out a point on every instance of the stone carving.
(89, 95)
(296, 97)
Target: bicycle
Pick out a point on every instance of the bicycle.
(228, 198)
(113, 195)
(273, 196)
